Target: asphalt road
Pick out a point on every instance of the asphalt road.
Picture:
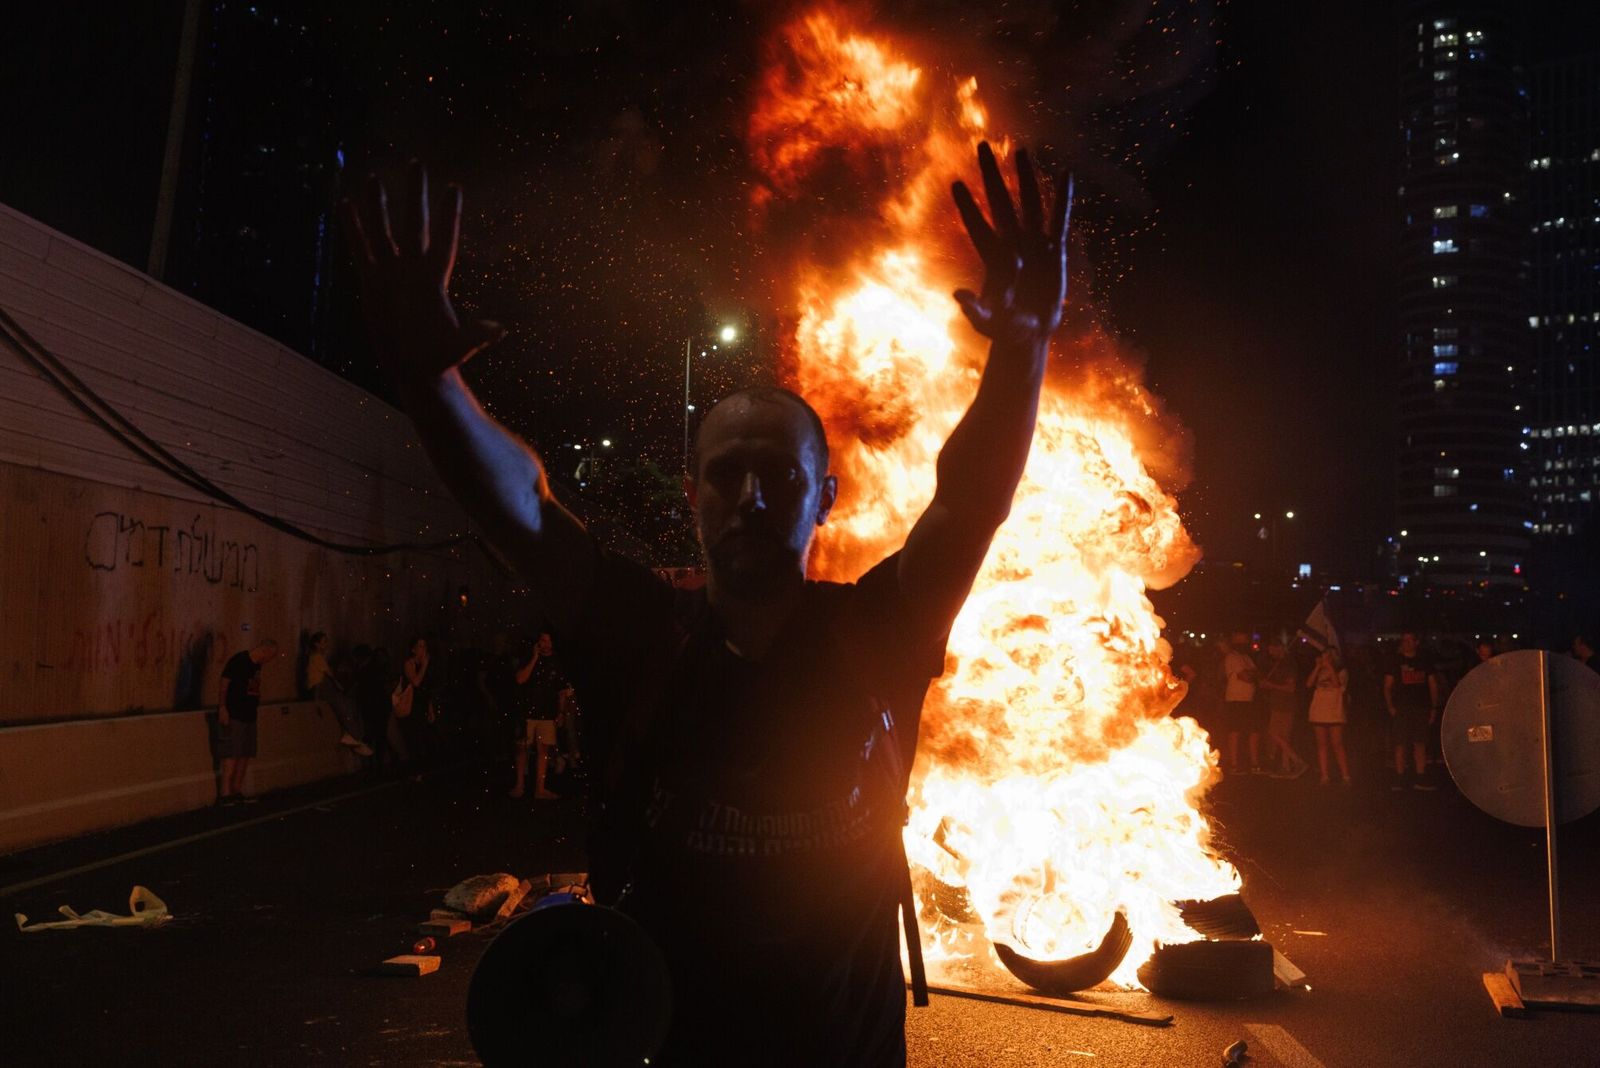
(1393, 903)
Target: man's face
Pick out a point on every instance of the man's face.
(1408, 645)
(545, 645)
(757, 497)
(262, 653)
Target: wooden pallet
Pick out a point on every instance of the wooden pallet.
(1568, 984)
(1504, 995)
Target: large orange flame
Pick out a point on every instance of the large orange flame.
(1052, 786)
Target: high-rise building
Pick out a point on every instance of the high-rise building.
(253, 233)
(1564, 320)
(1462, 500)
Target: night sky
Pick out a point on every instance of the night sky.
(1235, 166)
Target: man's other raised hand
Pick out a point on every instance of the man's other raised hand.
(404, 263)
(1024, 261)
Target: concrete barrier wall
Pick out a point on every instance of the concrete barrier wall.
(119, 601)
(63, 779)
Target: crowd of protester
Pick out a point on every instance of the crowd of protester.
(1266, 697)
(402, 711)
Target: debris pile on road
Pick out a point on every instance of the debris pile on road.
(145, 909)
(1230, 962)
(481, 895)
(482, 902)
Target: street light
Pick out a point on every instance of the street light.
(1269, 534)
(586, 461)
(728, 334)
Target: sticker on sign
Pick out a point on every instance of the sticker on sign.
(1484, 733)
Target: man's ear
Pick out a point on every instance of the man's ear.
(689, 489)
(825, 498)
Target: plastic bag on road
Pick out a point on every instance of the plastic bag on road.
(144, 908)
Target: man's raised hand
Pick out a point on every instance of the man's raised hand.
(1025, 263)
(405, 279)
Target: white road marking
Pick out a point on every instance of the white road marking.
(1284, 1046)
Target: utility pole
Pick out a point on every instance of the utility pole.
(177, 127)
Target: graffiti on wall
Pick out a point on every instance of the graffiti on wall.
(115, 540)
(135, 644)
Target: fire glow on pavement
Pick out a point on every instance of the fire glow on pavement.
(1052, 787)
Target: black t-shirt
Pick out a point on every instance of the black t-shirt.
(768, 868)
(1411, 674)
(244, 686)
(540, 696)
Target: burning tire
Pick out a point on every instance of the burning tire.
(1210, 971)
(1062, 977)
(1221, 917)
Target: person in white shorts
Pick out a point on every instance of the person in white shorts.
(1328, 682)
(543, 693)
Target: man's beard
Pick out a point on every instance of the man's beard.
(754, 566)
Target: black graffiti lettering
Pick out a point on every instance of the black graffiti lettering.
(114, 539)
(100, 542)
(250, 568)
(130, 535)
(161, 543)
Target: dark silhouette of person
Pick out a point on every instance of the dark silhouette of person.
(760, 731)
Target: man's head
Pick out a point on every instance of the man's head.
(264, 650)
(1409, 643)
(1582, 646)
(544, 644)
(759, 487)
(1238, 641)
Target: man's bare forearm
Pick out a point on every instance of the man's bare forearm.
(981, 464)
(494, 474)
(501, 483)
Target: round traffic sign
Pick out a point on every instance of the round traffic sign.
(1494, 741)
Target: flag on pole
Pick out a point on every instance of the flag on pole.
(1319, 629)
